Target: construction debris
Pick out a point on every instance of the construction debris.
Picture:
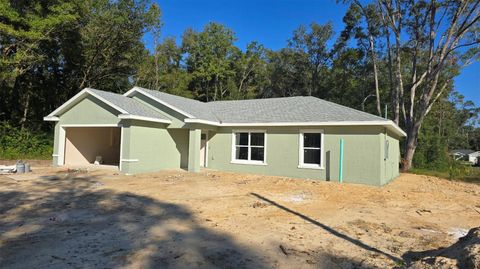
(465, 253)
(8, 169)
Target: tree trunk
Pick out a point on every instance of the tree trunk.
(375, 74)
(240, 86)
(389, 56)
(26, 107)
(84, 80)
(156, 56)
(205, 87)
(411, 145)
(244, 78)
(215, 84)
(314, 81)
(399, 81)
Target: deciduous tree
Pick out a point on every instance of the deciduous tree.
(435, 36)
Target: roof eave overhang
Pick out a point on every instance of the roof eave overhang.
(142, 118)
(51, 118)
(388, 124)
(54, 116)
(73, 101)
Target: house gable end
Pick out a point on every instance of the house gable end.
(76, 99)
(90, 110)
(176, 118)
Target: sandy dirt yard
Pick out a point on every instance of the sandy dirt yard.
(58, 218)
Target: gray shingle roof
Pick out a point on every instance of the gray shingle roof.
(299, 109)
(462, 151)
(130, 105)
(287, 109)
(193, 107)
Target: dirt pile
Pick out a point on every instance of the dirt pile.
(465, 253)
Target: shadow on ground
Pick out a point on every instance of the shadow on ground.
(70, 221)
(330, 229)
(74, 223)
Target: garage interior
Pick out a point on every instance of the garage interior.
(84, 144)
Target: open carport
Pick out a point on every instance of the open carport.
(84, 144)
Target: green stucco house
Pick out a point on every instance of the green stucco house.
(145, 131)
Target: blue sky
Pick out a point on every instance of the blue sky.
(271, 22)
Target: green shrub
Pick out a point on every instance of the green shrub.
(23, 144)
(456, 170)
(472, 174)
(432, 154)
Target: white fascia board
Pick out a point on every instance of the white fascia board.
(388, 124)
(131, 91)
(90, 125)
(140, 90)
(51, 118)
(79, 95)
(214, 123)
(134, 117)
(397, 129)
(311, 123)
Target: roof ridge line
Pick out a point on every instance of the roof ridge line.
(177, 96)
(256, 99)
(347, 107)
(163, 102)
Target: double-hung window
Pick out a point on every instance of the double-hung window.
(249, 147)
(311, 149)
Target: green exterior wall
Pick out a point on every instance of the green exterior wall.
(361, 153)
(390, 159)
(181, 137)
(146, 146)
(90, 111)
(150, 147)
(87, 111)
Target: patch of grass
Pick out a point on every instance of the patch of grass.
(428, 172)
(465, 173)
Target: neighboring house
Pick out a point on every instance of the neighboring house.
(145, 131)
(466, 155)
(474, 157)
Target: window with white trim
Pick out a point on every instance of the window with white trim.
(311, 149)
(249, 147)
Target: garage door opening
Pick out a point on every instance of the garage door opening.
(83, 145)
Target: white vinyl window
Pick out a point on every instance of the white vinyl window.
(249, 147)
(311, 149)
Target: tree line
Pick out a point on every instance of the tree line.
(394, 58)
